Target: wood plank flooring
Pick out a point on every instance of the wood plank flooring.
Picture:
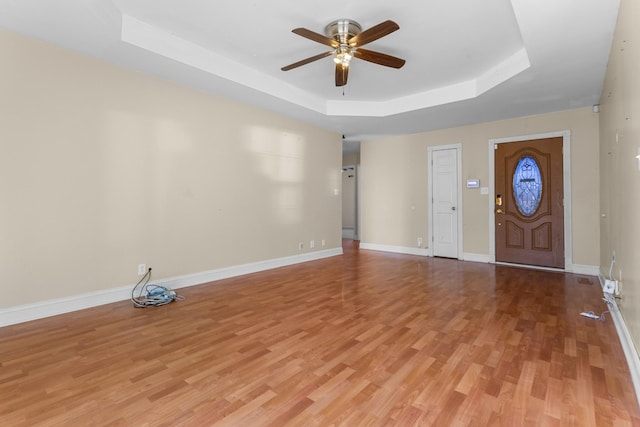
(363, 339)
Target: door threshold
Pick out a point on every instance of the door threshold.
(532, 267)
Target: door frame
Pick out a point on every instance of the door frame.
(566, 175)
(459, 210)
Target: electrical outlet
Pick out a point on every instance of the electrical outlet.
(324, 243)
(609, 286)
(312, 244)
(419, 242)
(142, 269)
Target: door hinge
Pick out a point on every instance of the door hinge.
(495, 146)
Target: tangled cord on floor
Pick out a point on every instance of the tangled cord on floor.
(611, 303)
(598, 317)
(152, 295)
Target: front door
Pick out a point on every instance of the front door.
(529, 205)
(445, 202)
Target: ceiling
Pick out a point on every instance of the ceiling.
(467, 61)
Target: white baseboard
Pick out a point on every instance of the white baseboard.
(395, 249)
(240, 270)
(467, 256)
(588, 270)
(630, 352)
(629, 349)
(39, 310)
(601, 277)
(419, 251)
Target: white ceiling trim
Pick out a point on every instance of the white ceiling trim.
(161, 42)
(510, 67)
(156, 40)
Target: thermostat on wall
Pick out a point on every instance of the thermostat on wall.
(473, 183)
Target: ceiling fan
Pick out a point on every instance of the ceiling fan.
(346, 39)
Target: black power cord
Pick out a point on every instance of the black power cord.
(151, 295)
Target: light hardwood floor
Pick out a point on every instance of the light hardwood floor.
(367, 338)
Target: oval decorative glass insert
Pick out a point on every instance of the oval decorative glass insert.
(527, 185)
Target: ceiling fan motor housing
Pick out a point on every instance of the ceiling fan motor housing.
(342, 30)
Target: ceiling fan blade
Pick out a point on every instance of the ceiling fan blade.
(378, 58)
(306, 61)
(373, 33)
(316, 37)
(342, 72)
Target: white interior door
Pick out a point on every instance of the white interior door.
(445, 202)
(349, 202)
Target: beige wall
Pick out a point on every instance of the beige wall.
(620, 178)
(103, 168)
(394, 181)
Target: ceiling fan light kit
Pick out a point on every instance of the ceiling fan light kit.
(346, 37)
